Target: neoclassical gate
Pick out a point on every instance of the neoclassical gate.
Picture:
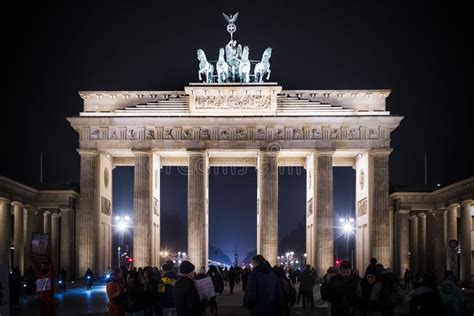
(257, 125)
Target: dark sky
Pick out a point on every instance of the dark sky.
(420, 51)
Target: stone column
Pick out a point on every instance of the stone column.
(465, 241)
(142, 210)
(267, 181)
(422, 242)
(67, 241)
(430, 240)
(403, 240)
(87, 218)
(414, 266)
(19, 251)
(5, 232)
(324, 243)
(47, 222)
(439, 245)
(380, 213)
(30, 227)
(197, 207)
(55, 240)
(453, 222)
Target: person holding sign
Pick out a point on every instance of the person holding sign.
(45, 286)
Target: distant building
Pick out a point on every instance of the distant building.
(48, 209)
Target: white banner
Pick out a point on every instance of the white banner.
(205, 288)
(43, 284)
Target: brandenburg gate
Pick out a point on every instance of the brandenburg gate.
(253, 124)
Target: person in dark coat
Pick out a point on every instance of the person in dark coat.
(341, 290)
(426, 299)
(218, 287)
(166, 289)
(306, 286)
(285, 288)
(262, 293)
(232, 276)
(368, 293)
(150, 287)
(133, 302)
(185, 294)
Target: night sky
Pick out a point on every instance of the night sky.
(420, 51)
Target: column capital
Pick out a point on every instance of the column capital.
(454, 205)
(87, 152)
(46, 213)
(56, 215)
(4, 199)
(403, 211)
(324, 152)
(421, 214)
(381, 152)
(196, 151)
(65, 209)
(466, 203)
(414, 216)
(17, 204)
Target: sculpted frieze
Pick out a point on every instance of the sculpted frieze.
(236, 133)
(254, 102)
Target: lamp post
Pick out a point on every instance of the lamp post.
(122, 223)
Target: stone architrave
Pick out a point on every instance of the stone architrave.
(142, 210)
(267, 182)
(197, 207)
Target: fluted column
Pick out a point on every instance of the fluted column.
(267, 181)
(453, 222)
(465, 241)
(324, 237)
(5, 231)
(67, 241)
(414, 263)
(47, 222)
(422, 242)
(430, 240)
(19, 251)
(439, 244)
(55, 239)
(381, 217)
(142, 210)
(30, 227)
(403, 240)
(197, 208)
(88, 216)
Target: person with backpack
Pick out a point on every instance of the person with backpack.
(218, 287)
(166, 289)
(185, 294)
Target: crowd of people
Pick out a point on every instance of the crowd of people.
(183, 290)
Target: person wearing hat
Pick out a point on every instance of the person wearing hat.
(185, 294)
(166, 289)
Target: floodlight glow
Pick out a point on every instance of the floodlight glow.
(351, 220)
(122, 226)
(342, 220)
(127, 218)
(347, 228)
(117, 218)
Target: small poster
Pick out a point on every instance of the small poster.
(39, 247)
(43, 284)
(4, 290)
(205, 288)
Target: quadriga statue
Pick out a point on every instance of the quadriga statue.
(205, 67)
(222, 68)
(244, 67)
(263, 67)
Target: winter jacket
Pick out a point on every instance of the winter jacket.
(166, 289)
(186, 297)
(262, 293)
(342, 293)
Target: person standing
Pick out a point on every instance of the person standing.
(284, 301)
(89, 278)
(45, 286)
(218, 287)
(231, 279)
(150, 288)
(133, 295)
(114, 289)
(185, 294)
(166, 289)
(306, 287)
(262, 293)
(341, 290)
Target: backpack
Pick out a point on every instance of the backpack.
(218, 284)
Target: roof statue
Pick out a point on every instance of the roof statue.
(233, 64)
